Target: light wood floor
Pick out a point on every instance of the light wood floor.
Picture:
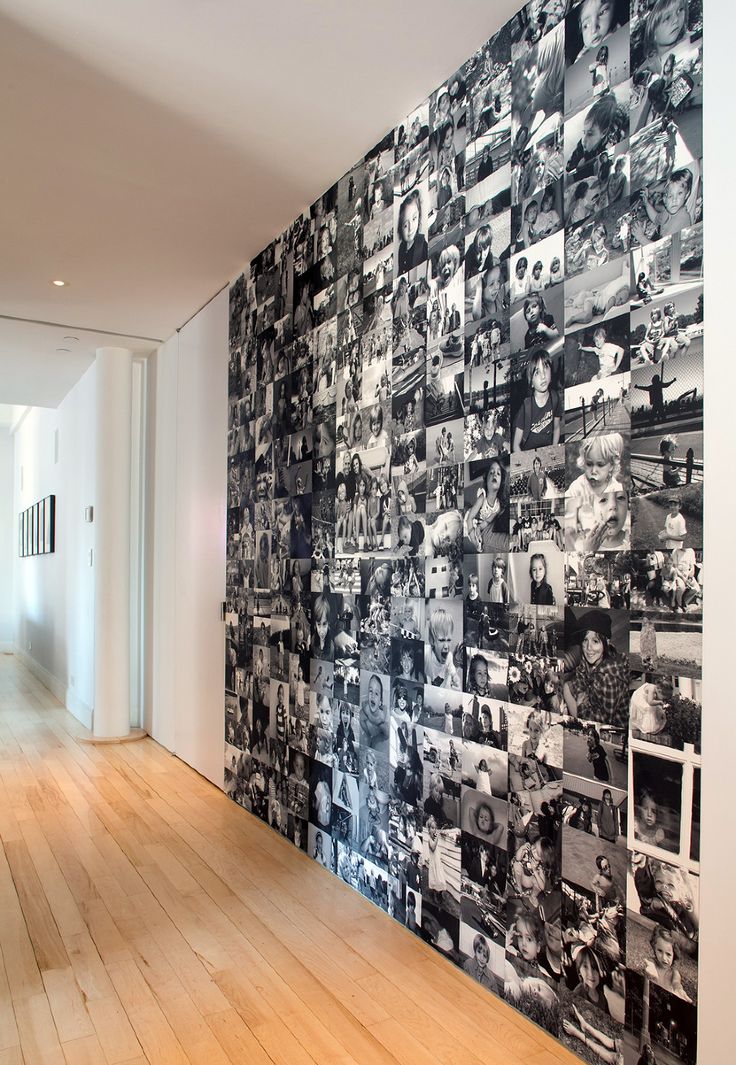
(146, 918)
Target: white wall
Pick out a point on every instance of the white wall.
(189, 469)
(8, 540)
(54, 594)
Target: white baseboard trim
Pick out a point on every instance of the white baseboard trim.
(54, 685)
(66, 696)
(78, 708)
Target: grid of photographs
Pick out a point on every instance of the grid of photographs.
(465, 545)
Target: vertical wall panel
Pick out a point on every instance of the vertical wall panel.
(189, 540)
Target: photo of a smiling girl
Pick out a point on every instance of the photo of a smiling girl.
(597, 686)
(375, 712)
(536, 576)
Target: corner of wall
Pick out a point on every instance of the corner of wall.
(66, 696)
(54, 685)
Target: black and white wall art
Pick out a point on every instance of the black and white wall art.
(37, 528)
(465, 538)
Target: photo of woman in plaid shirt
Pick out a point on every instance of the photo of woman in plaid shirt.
(598, 687)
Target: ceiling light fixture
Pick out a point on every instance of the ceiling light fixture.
(59, 284)
(64, 349)
(72, 340)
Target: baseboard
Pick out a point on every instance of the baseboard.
(54, 685)
(66, 696)
(78, 708)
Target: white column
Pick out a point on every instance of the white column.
(112, 543)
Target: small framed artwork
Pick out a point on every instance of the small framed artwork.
(37, 528)
(42, 527)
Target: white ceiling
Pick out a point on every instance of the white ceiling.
(35, 373)
(151, 148)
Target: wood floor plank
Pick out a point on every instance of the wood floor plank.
(560, 1055)
(187, 1024)
(66, 913)
(394, 1035)
(38, 1036)
(89, 969)
(114, 1030)
(313, 978)
(147, 920)
(21, 967)
(47, 944)
(190, 967)
(269, 1029)
(149, 1023)
(12, 1056)
(67, 1005)
(419, 1023)
(9, 827)
(236, 1038)
(8, 1028)
(83, 1051)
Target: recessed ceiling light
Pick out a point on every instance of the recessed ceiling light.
(59, 284)
(64, 349)
(72, 340)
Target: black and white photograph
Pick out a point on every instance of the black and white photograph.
(465, 565)
(661, 645)
(590, 806)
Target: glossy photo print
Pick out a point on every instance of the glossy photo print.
(465, 570)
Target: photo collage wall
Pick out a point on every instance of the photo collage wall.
(464, 557)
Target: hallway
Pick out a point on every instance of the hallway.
(145, 918)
